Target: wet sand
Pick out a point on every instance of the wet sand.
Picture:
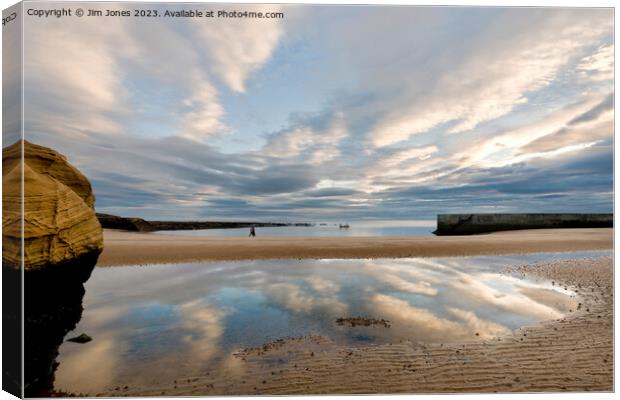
(574, 353)
(129, 248)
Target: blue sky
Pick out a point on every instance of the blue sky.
(331, 113)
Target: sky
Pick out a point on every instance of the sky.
(332, 113)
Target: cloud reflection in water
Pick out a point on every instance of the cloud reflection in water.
(156, 323)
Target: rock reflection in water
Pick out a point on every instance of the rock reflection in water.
(161, 322)
(52, 307)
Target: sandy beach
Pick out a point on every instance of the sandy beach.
(129, 248)
(573, 353)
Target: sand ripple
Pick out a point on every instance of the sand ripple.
(574, 353)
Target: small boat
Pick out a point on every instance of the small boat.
(343, 226)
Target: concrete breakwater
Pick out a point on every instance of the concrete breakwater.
(471, 224)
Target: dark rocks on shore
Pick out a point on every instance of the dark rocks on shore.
(83, 338)
(109, 221)
(363, 321)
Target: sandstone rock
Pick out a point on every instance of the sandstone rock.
(60, 225)
(49, 162)
(62, 241)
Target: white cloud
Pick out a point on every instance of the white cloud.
(317, 146)
(429, 326)
(78, 85)
(370, 82)
(237, 47)
(206, 324)
(590, 132)
(323, 285)
(290, 143)
(506, 148)
(328, 141)
(410, 164)
(421, 287)
(475, 289)
(205, 116)
(102, 355)
(472, 323)
(494, 79)
(406, 156)
(294, 298)
(82, 87)
(600, 65)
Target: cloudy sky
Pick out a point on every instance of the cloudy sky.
(331, 113)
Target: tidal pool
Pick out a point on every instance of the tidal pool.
(161, 322)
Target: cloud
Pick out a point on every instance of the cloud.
(237, 47)
(429, 326)
(11, 79)
(294, 298)
(102, 355)
(412, 165)
(316, 146)
(205, 326)
(322, 285)
(399, 158)
(600, 65)
(497, 76)
(155, 113)
(290, 143)
(507, 148)
(204, 114)
(475, 289)
(570, 138)
(86, 88)
(79, 89)
(595, 112)
(398, 283)
(583, 181)
(472, 323)
(331, 192)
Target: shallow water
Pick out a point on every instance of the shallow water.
(362, 228)
(167, 321)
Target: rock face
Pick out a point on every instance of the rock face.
(59, 218)
(62, 241)
(44, 160)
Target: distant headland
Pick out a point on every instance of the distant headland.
(109, 221)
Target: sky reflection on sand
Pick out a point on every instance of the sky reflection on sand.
(167, 321)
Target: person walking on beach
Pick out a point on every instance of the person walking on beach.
(252, 231)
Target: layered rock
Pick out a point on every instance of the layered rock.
(59, 222)
(44, 160)
(62, 241)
